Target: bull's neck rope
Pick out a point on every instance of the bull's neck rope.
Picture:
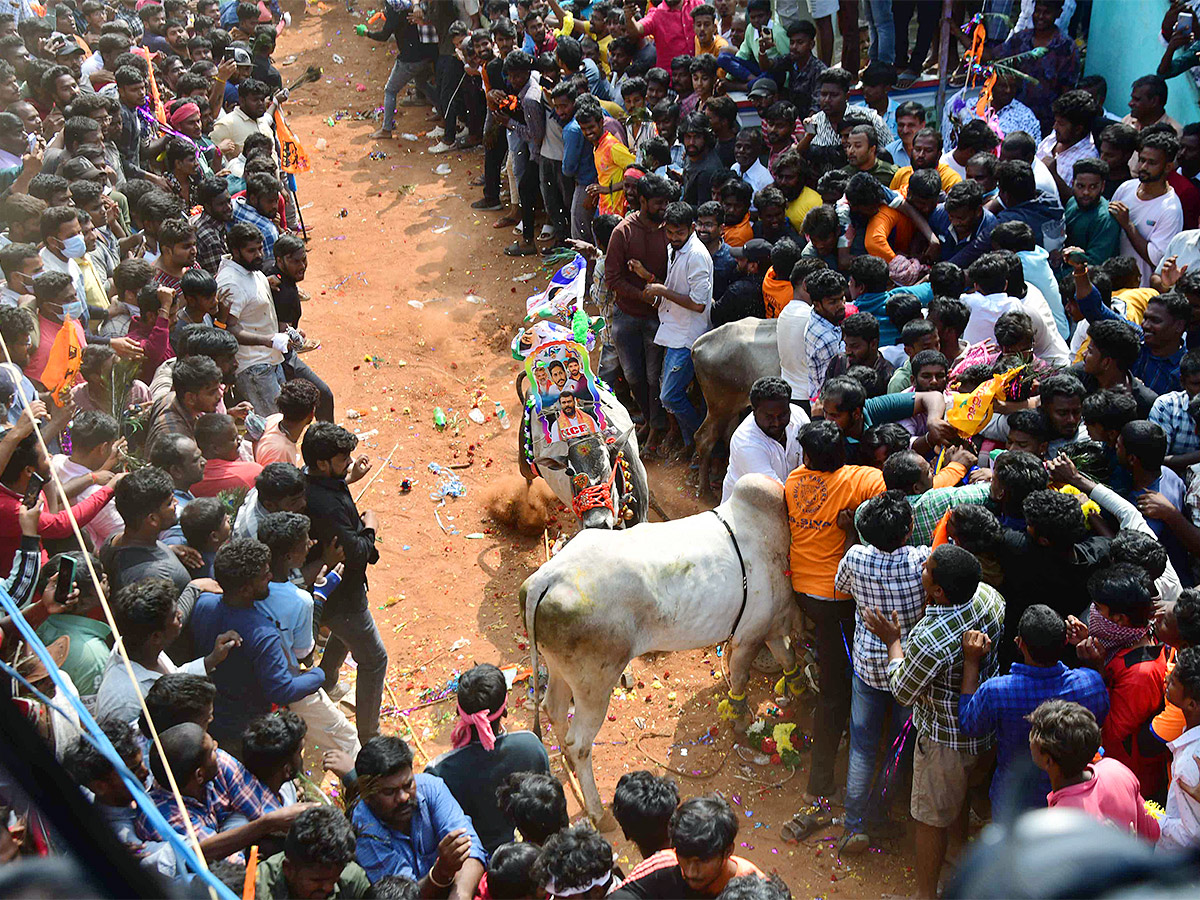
(596, 495)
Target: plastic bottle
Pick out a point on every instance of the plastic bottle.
(439, 418)
(502, 415)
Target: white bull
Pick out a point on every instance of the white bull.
(611, 596)
(728, 360)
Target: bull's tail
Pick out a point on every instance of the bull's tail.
(531, 607)
(654, 505)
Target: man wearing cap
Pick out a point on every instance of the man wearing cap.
(744, 298)
(231, 72)
(67, 52)
(253, 113)
(764, 92)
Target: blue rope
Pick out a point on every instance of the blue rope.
(100, 741)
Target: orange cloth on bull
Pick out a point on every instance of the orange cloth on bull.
(777, 293)
(889, 232)
(737, 235)
(612, 158)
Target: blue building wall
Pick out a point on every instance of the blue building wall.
(1124, 44)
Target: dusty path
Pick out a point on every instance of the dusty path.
(390, 235)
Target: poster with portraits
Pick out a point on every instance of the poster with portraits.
(565, 398)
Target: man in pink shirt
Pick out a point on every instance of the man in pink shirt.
(669, 23)
(217, 438)
(1063, 739)
(297, 403)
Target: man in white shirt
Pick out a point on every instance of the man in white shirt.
(149, 622)
(995, 276)
(682, 303)
(253, 113)
(252, 319)
(1183, 250)
(1146, 207)
(767, 440)
(94, 456)
(747, 152)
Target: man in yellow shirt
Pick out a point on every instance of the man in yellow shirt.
(595, 27)
(704, 21)
(792, 176)
(926, 154)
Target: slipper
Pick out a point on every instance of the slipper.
(516, 248)
(506, 222)
(802, 826)
(308, 345)
(853, 843)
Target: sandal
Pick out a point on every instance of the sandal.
(853, 843)
(803, 825)
(308, 345)
(506, 222)
(516, 248)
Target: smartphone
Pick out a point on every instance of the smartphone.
(36, 483)
(1186, 21)
(66, 579)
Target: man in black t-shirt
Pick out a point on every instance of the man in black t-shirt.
(484, 754)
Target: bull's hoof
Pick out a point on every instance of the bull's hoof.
(790, 686)
(732, 709)
(742, 724)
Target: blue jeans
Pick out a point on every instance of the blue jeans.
(402, 73)
(868, 706)
(882, 28)
(260, 384)
(677, 372)
(739, 69)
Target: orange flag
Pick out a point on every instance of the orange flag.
(160, 111)
(292, 157)
(62, 366)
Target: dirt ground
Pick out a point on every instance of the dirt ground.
(415, 304)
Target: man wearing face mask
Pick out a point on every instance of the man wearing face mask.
(56, 299)
(19, 263)
(252, 319)
(64, 244)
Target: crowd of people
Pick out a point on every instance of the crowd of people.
(1010, 608)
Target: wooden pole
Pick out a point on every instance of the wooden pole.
(943, 61)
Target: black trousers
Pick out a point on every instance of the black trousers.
(834, 620)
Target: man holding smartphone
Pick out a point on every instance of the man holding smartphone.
(21, 481)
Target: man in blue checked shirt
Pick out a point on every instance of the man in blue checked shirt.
(1001, 704)
(260, 208)
(411, 825)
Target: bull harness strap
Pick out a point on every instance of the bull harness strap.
(742, 563)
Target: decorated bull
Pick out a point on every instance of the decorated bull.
(575, 433)
(607, 598)
(728, 360)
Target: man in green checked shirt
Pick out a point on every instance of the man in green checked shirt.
(926, 674)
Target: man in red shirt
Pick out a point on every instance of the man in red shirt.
(1183, 178)
(217, 438)
(22, 457)
(1120, 646)
(669, 23)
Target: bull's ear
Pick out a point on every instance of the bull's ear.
(554, 456)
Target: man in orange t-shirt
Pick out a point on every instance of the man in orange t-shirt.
(736, 197)
(700, 862)
(777, 285)
(816, 494)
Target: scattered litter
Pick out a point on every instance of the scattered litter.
(353, 414)
(459, 644)
(321, 143)
(405, 189)
(475, 298)
(366, 435)
(442, 229)
(408, 136)
(476, 415)
(337, 59)
(377, 154)
(406, 485)
(416, 304)
(361, 88)
(443, 169)
(343, 212)
(475, 536)
(439, 422)
(529, 277)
